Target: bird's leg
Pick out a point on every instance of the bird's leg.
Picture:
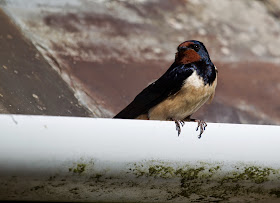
(178, 127)
(177, 123)
(200, 124)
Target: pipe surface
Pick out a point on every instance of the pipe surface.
(93, 159)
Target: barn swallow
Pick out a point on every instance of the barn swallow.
(188, 84)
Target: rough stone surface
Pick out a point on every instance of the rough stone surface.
(108, 51)
(28, 84)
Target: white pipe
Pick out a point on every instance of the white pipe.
(134, 160)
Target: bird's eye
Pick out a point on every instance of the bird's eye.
(195, 47)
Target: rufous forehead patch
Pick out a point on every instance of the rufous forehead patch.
(185, 44)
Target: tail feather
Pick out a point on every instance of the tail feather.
(127, 113)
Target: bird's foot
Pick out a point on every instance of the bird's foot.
(200, 124)
(178, 127)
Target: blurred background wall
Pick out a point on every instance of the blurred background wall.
(107, 51)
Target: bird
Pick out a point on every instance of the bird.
(188, 84)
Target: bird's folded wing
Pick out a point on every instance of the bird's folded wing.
(168, 84)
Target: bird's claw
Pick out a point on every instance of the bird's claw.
(202, 125)
(178, 127)
(182, 122)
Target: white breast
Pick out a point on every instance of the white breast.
(194, 80)
(193, 94)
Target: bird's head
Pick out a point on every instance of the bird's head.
(191, 51)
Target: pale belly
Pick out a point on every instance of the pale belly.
(186, 102)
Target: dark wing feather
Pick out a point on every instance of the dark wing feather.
(168, 84)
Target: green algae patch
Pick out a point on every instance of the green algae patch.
(161, 171)
(169, 171)
(211, 181)
(254, 174)
(80, 168)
